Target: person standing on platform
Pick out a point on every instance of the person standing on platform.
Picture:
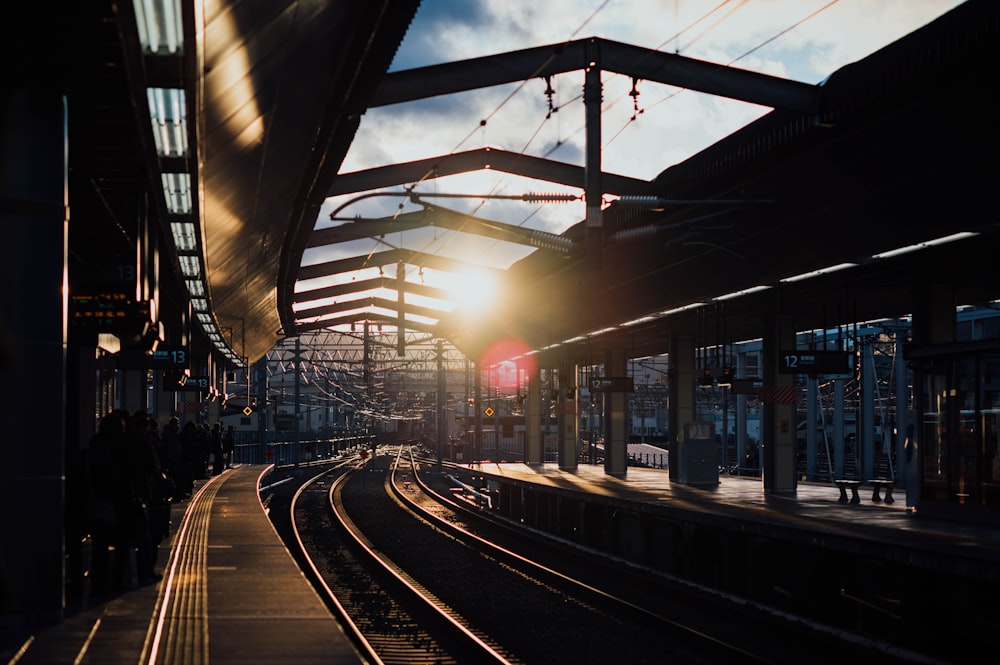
(189, 448)
(218, 458)
(204, 450)
(229, 445)
(111, 505)
(170, 450)
(144, 466)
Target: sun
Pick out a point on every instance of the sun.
(468, 290)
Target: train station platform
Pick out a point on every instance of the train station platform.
(230, 593)
(872, 570)
(814, 507)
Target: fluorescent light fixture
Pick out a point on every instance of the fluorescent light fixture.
(574, 339)
(168, 113)
(190, 265)
(159, 25)
(199, 304)
(185, 238)
(195, 287)
(821, 271)
(601, 331)
(177, 191)
(203, 318)
(641, 319)
(924, 245)
(744, 292)
(678, 310)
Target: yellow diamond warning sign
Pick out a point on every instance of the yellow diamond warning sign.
(247, 410)
(489, 411)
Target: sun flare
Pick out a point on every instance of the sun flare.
(470, 290)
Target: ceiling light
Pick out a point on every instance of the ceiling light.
(744, 292)
(641, 319)
(190, 266)
(925, 245)
(177, 191)
(601, 331)
(168, 114)
(821, 271)
(195, 287)
(159, 25)
(678, 310)
(185, 238)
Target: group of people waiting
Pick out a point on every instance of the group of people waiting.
(133, 473)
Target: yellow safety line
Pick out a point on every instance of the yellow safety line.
(179, 625)
(86, 644)
(20, 652)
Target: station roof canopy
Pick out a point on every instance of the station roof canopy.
(273, 236)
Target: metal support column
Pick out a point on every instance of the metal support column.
(866, 417)
(593, 192)
(534, 453)
(297, 406)
(839, 440)
(441, 397)
(615, 441)
(812, 417)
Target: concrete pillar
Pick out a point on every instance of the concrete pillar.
(741, 415)
(34, 216)
(903, 409)
(681, 396)
(778, 419)
(569, 434)
(615, 441)
(933, 323)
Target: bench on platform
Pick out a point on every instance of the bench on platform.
(877, 485)
(843, 484)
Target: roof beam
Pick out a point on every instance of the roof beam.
(383, 282)
(392, 256)
(477, 160)
(637, 62)
(372, 301)
(442, 218)
(374, 318)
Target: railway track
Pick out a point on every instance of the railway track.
(391, 619)
(407, 557)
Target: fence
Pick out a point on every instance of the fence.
(283, 453)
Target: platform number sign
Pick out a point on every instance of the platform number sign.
(174, 357)
(813, 363)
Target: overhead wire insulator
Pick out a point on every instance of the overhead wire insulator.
(549, 197)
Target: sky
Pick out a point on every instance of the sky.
(803, 40)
